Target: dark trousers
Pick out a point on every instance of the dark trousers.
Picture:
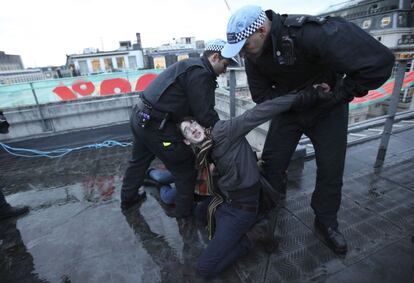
(229, 241)
(327, 129)
(167, 145)
(3, 201)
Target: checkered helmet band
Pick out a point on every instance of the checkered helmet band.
(237, 37)
(214, 47)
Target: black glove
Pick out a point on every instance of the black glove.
(4, 125)
(306, 98)
(346, 89)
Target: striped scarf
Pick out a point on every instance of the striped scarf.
(203, 158)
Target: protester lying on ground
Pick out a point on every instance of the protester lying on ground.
(233, 211)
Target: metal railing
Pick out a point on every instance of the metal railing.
(405, 118)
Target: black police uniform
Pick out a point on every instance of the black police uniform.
(186, 88)
(301, 51)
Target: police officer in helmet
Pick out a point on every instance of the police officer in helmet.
(186, 88)
(284, 53)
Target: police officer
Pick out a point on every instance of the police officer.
(289, 52)
(6, 210)
(183, 89)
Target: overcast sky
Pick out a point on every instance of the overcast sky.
(44, 31)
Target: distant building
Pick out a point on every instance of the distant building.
(167, 54)
(12, 71)
(93, 61)
(390, 21)
(22, 76)
(10, 62)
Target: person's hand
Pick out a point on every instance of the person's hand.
(306, 98)
(324, 93)
(346, 89)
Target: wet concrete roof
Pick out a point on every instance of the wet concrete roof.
(76, 232)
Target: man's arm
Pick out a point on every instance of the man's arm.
(240, 126)
(200, 90)
(347, 49)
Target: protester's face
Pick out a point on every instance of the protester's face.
(192, 131)
(220, 65)
(254, 45)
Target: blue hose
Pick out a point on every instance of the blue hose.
(23, 152)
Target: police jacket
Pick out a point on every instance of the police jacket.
(186, 88)
(232, 154)
(303, 50)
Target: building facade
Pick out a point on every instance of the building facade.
(93, 61)
(389, 21)
(10, 62)
(22, 76)
(177, 49)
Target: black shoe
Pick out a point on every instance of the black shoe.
(130, 203)
(9, 211)
(335, 240)
(261, 233)
(151, 183)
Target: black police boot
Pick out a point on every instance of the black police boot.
(261, 233)
(127, 204)
(8, 211)
(335, 240)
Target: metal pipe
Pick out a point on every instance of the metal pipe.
(406, 91)
(45, 128)
(232, 93)
(392, 109)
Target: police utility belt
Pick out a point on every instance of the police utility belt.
(147, 114)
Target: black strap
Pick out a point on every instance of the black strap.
(300, 20)
(156, 115)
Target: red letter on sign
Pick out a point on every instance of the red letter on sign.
(84, 88)
(144, 81)
(115, 86)
(64, 93)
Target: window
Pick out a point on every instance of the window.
(83, 67)
(385, 21)
(96, 65)
(366, 24)
(120, 62)
(182, 57)
(159, 62)
(132, 62)
(108, 64)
